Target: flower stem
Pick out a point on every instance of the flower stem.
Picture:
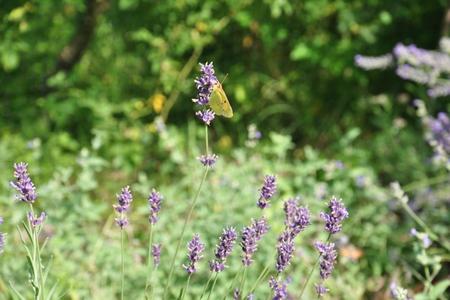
(233, 281)
(206, 285)
(312, 271)
(186, 288)
(242, 285)
(149, 261)
(123, 263)
(186, 220)
(213, 285)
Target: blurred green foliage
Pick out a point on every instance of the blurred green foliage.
(120, 112)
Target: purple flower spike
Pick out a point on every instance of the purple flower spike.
(248, 244)
(285, 250)
(205, 83)
(36, 221)
(208, 160)
(261, 227)
(223, 249)
(23, 184)
(156, 253)
(124, 200)
(279, 289)
(297, 218)
(328, 257)
(337, 214)
(207, 116)
(195, 250)
(154, 201)
(320, 290)
(268, 189)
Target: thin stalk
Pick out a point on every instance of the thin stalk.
(123, 264)
(187, 219)
(39, 263)
(213, 285)
(242, 285)
(206, 285)
(312, 271)
(186, 288)
(230, 288)
(149, 258)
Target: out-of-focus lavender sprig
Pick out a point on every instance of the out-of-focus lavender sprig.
(333, 219)
(250, 237)
(195, 253)
(267, 191)
(154, 202)
(2, 237)
(374, 62)
(439, 133)
(414, 74)
(279, 289)
(223, 249)
(23, 184)
(320, 290)
(423, 237)
(398, 293)
(36, 221)
(124, 200)
(205, 83)
(297, 217)
(156, 253)
(328, 257)
(208, 160)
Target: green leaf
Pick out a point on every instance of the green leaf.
(439, 289)
(301, 51)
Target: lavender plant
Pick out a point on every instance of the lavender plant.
(2, 237)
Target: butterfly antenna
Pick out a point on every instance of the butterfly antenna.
(226, 75)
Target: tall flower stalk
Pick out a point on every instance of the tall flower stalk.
(204, 85)
(124, 200)
(26, 192)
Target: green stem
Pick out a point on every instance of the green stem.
(230, 288)
(242, 285)
(425, 183)
(187, 287)
(186, 220)
(149, 259)
(213, 285)
(206, 285)
(312, 271)
(123, 263)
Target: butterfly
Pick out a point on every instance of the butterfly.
(219, 102)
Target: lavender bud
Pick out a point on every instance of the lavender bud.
(320, 290)
(279, 289)
(260, 226)
(223, 249)
(208, 160)
(23, 184)
(248, 244)
(285, 250)
(124, 200)
(36, 221)
(122, 222)
(195, 249)
(154, 202)
(205, 83)
(328, 257)
(267, 191)
(156, 253)
(337, 214)
(297, 217)
(207, 116)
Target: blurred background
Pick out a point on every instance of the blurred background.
(96, 94)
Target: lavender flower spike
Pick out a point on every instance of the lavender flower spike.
(156, 253)
(337, 214)
(279, 289)
(208, 160)
(320, 290)
(261, 227)
(248, 244)
(285, 250)
(297, 217)
(154, 201)
(207, 116)
(195, 250)
(328, 257)
(2, 237)
(36, 221)
(124, 200)
(23, 183)
(267, 191)
(223, 249)
(205, 83)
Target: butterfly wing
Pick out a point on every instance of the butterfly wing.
(219, 102)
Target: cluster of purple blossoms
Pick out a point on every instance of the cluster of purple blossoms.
(2, 237)
(337, 214)
(285, 250)
(208, 160)
(328, 257)
(205, 84)
(223, 249)
(423, 237)
(439, 128)
(373, 62)
(36, 221)
(23, 184)
(279, 289)
(156, 253)
(154, 202)
(124, 200)
(195, 249)
(267, 191)
(250, 237)
(320, 290)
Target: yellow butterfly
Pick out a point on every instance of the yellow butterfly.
(219, 102)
